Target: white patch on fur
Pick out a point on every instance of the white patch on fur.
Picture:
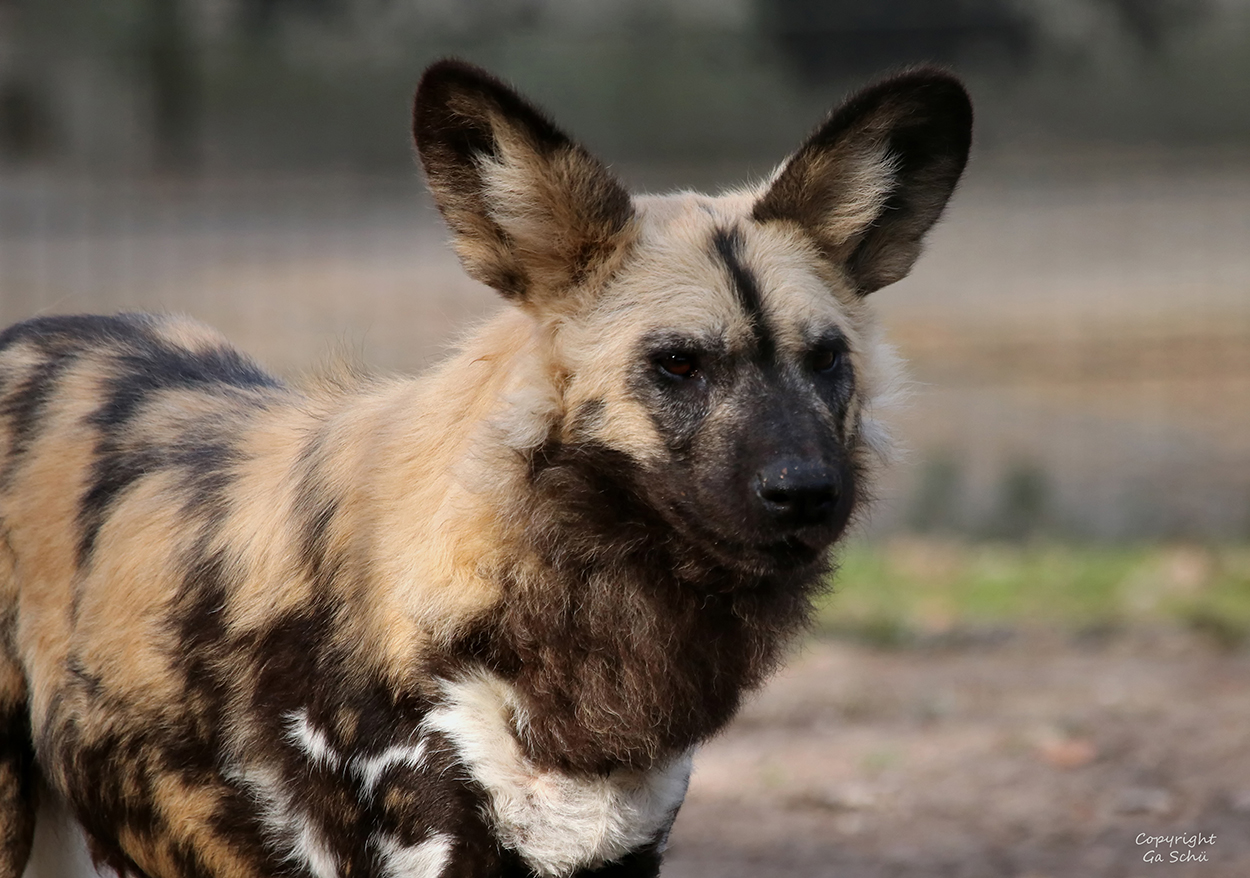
(310, 739)
(557, 822)
(292, 833)
(311, 849)
(528, 416)
(886, 390)
(370, 769)
(424, 860)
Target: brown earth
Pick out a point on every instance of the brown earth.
(1026, 755)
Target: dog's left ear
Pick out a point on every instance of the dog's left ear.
(870, 182)
(531, 210)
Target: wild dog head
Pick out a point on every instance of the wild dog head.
(715, 351)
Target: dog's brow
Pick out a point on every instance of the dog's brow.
(727, 245)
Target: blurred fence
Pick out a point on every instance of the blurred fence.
(1078, 331)
(1081, 332)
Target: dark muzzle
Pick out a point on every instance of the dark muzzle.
(795, 493)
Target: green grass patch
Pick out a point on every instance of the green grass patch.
(894, 592)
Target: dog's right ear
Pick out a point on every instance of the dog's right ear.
(532, 212)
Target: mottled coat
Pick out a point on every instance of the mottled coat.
(472, 623)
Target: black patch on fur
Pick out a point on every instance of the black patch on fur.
(291, 654)
(587, 418)
(727, 244)
(637, 644)
(60, 334)
(207, 467)
(112, 472)
(644, 863)
(59, 341)
(677, 407)
(17, 787)
(148, 365)
(144, 367)
(24, 408)
(317, 505)
(201, 606)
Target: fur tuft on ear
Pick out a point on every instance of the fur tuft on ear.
(872, 180)
(532, 212)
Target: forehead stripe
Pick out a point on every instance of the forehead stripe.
(727, 244)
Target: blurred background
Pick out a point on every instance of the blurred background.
(1079, 330)
(1078, 436)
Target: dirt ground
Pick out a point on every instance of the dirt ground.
(1021, 756)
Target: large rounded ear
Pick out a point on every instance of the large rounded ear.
(532, 212)
(869, 183)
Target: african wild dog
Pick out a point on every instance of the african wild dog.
(474, 623)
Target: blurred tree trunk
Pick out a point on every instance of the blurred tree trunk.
(172, 66)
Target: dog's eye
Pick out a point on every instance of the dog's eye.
(678, 365)
(825, 359)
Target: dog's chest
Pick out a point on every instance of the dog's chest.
(556, 822)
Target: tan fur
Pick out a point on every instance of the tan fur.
(241, 622)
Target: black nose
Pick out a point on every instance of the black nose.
(797, 493)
